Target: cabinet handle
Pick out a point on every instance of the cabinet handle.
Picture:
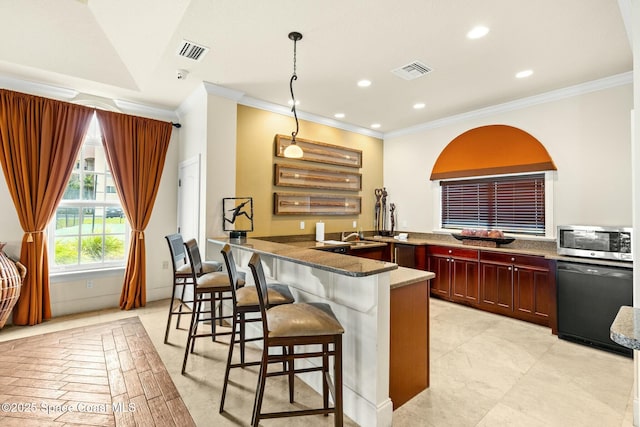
(450, 251)
(513, 259)
(509, 268)
(515, 269)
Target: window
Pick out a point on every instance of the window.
(89, 230)
(513, 204)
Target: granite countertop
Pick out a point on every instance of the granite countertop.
(328, 244)
(625, 329)
(404, 276)
(543, 248)
(304, 255)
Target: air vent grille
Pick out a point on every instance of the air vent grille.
(412, 71)
(191, 50)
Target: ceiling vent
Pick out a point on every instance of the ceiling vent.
(412, 71)
(191, 50)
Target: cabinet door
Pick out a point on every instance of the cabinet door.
(440, 284)
(371, 253)
(405, 255)
(496, 286)
(532, 288)
(464, 280)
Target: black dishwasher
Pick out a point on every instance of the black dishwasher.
(589, 297)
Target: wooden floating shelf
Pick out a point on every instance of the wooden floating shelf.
(315, 204)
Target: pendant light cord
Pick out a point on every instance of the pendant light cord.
(295, 37)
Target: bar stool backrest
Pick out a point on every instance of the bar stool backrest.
(178, 254)
(194, 257)
(231, 269)
(261, 286)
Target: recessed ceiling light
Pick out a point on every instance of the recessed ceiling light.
(375, 126)
(290, 102)
(419, 105)
(339, 115)
(523, 74)
(364, 83)
(478, 32)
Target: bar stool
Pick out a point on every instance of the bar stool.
(182, 277)
(207, 287)
(290, 325)
(245, 300)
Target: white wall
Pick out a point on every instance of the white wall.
(587, 136)
(209, 122)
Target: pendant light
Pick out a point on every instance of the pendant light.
(293, 150)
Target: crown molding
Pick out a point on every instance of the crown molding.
(555, 95)
(38, 89)
(146, 110)
(280, 109)
(222, 91)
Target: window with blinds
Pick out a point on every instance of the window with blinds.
(513, 204)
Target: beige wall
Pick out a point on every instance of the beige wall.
(587, 136)
(254, 165)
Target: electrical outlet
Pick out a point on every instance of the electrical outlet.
(301, 225)
(165, 265)
(89, 284)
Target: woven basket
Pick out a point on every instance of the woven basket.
(11, 276)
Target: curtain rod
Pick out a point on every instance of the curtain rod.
(176, 125)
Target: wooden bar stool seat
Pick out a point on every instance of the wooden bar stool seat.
(182, 277)
(213, 288)
(298, 324)
(245, 300)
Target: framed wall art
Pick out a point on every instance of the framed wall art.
(321, 152)
(320, 178)
(315, 204)
(237, 215)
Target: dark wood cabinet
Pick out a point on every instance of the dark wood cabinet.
(496, 286)
(407, 255)
(409, 342)
(376, 253)
(456, 273)
(404, 255)
(521, 286)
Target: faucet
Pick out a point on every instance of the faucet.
(345, 238)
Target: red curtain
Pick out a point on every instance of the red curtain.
(136, 149)
(39, 142)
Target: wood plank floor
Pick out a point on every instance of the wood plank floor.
(100, 375)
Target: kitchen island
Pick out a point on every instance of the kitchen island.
(359, 291)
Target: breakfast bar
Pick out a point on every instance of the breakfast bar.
(359, 291)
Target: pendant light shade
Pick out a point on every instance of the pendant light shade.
(293, 151)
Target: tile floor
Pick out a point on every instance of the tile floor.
(486, 370)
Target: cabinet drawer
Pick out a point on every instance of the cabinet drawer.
(471, 254)
(515, 259)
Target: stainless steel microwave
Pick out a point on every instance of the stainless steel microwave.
(612, 243)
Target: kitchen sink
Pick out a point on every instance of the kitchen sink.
(334, 242)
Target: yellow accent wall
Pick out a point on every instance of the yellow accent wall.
(255, 161)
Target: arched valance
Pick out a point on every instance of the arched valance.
(491, 150)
